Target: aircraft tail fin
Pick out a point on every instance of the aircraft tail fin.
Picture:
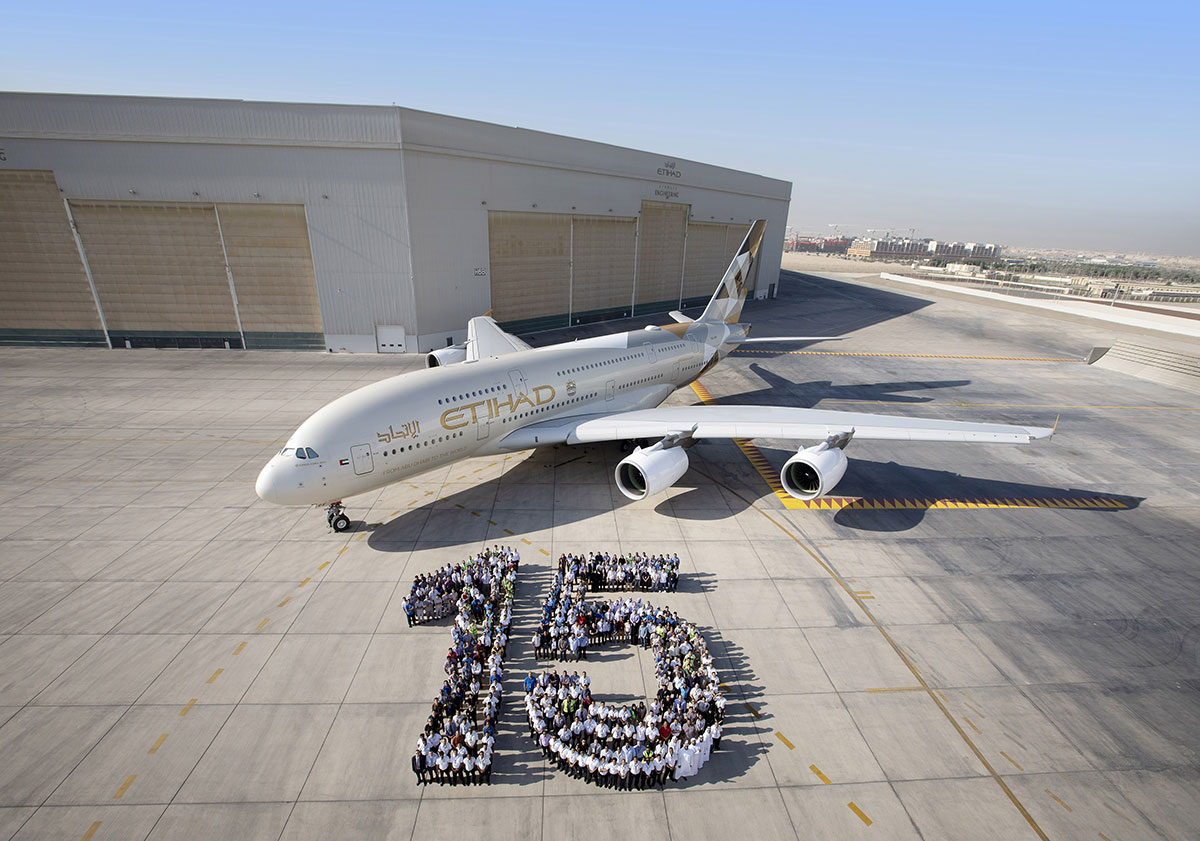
(727, 301)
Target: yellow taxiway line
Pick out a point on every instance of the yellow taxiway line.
(912, 355)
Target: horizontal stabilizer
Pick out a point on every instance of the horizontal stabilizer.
(486, 339)
(680, 317)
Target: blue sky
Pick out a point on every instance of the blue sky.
(1072, 125)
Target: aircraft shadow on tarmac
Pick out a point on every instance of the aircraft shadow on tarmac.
(781, 391)
(809, 305)
(921, 486)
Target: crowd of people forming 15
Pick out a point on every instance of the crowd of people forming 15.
(456, 745)
(602, 571)
(622, 746)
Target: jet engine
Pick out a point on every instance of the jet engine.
(645, 472)
(445, 356)
(814, 471)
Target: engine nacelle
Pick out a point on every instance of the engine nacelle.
(813, 472)
(445, 356)
(645, 472)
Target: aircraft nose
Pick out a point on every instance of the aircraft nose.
(269, 485)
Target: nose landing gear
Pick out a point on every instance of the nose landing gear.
(335, 515)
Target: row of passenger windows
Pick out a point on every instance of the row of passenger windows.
(643, 380)
(550, 407)
(592, 365)
(455, 398)
(420, 444)
(626, 358)
(301, 452)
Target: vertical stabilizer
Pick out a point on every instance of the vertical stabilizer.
(727, 301)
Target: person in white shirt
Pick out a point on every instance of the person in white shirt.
(660, 765)
(635, 774)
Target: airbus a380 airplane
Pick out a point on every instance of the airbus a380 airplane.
(497, 394)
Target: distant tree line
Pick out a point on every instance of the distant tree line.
(1067, 267)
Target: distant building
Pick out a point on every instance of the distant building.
(819, 245)
(895, 248)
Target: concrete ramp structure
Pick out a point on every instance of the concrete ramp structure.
(1168, 367)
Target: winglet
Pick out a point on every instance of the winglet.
(1041, 433)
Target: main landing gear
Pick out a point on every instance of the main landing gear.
(335, 514)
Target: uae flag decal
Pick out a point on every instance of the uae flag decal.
(344, 462)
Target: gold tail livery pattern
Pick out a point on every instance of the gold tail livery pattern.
(727, 301)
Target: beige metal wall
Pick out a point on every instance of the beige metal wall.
(530, 255)
(603, 254)
(710, 248)
(157, 267)
(43, 286)
(271, 262)
(661, 232)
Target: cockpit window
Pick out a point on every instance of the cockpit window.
(300, 453)
(311, 452)
(286, 451)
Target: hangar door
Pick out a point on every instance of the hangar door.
(661, 232)
(603, 251)
(272, 268)
(158, 269)
(199, 275)
(553, 269)
(710, 248)
(530, 255)
(42, 282)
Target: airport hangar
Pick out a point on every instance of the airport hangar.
(147, 222)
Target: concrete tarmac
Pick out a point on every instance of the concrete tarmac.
(181, 660)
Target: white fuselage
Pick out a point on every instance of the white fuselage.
(414, 422)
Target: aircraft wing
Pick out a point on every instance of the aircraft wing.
(761, 422)
(486, 339)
